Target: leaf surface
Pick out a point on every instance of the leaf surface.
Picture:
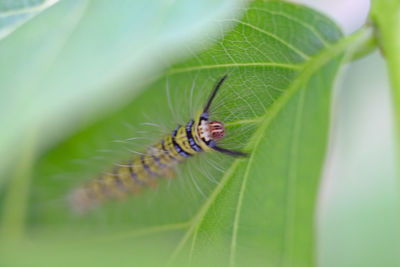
(78, 59)
(281, 60)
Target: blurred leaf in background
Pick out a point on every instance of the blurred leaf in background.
(282, 60)
(79, 59)
(15, 13)
(358, 213)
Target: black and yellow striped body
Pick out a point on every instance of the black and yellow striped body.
(143, 170)
(158, 161)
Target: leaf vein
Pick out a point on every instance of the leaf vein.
(275, 37)
(313, 64)
(230, 65)
(292, 175)
(301, 22)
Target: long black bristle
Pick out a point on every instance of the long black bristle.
(214, 93)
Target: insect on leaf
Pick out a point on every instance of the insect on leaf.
(281, 60)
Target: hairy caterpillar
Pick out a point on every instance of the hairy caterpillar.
(198, 135)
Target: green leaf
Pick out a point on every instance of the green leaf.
(282, 60)
(60, 74)
(15, 13)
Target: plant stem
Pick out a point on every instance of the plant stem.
(367, 46)
(386, 16)
(15, 203)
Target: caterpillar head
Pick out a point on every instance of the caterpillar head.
(217, 130)
(210, 131)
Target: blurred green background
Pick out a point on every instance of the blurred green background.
(84, 83)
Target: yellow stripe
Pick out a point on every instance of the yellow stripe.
(170, 148)
(115, 189)
(126, 178)
(140, 172)
(96, 189)
(152, 164)
(162, 156)
(196, 136)
(182, 140)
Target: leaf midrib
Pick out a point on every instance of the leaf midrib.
(230, 65)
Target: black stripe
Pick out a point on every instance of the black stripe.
(146, 167)
(166, 151)
(157, 160)
(189, 135)
(118, 181)
(103, 187)
(133, 175)
(178, 149)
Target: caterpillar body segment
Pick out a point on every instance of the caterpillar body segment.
(196, 136)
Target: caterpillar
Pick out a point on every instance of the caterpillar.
(198, 135)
